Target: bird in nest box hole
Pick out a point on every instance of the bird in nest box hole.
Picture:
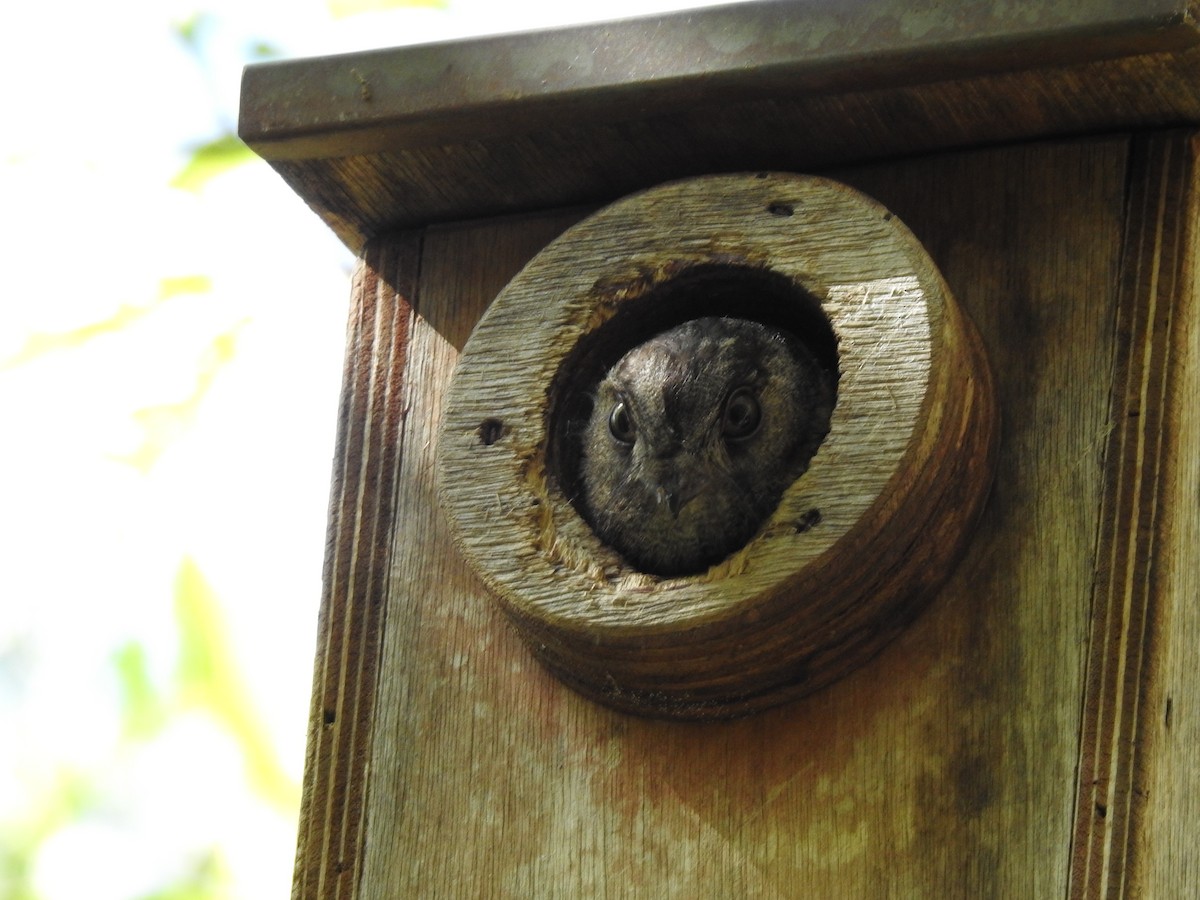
(693, 437)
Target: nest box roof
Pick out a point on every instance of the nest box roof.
(396, 138)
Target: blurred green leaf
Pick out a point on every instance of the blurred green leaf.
(340, 9)
(164, 423)
(143, 711)
(209, 677)
(41, 343)
(16, 854)
(189, 30)
(210, 160)
(263, 50)
(186, 284)
(67, 800)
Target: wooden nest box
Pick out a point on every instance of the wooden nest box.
(959, 657)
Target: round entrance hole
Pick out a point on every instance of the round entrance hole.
(857, 544)
(715, 351)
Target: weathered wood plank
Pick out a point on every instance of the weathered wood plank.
(362, 504)
(1146, 762)
(944, 768)
(1045, 279)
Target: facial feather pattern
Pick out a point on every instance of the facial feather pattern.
(693, 437)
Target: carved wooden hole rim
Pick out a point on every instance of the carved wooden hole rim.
(858, 543)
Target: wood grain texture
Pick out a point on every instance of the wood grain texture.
(1136, 832)
(362, 505)
(896, 485)
(946, 767)
(1166, 849)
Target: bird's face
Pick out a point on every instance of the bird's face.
(693, 437)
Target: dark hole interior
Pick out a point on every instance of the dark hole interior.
(742, 291)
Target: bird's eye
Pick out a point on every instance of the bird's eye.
(620, 423)
(742, 415)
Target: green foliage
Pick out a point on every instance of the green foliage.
(210, 160)
(262, 50)
(201, 695)
(69, 798)
(163, 423)
(41, 343)
(209, 678)
(191, 31)
(144, 712)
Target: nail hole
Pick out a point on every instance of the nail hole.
(781, 209)
(808, 520)
(329, 717)
(490, 431)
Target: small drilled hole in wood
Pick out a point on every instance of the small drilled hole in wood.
(490, 431)
(781, 209)
(810, 519)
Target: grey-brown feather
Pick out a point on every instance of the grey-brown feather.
(673, 476)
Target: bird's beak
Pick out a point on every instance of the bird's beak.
(680, 492)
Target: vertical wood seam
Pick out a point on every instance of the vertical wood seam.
(1120, 661)
(350, 626)
(1179, 184)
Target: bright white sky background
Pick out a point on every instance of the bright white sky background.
(169, 368)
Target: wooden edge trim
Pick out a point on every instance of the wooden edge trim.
(357, 559)
(1118, 707)
(378, 101)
